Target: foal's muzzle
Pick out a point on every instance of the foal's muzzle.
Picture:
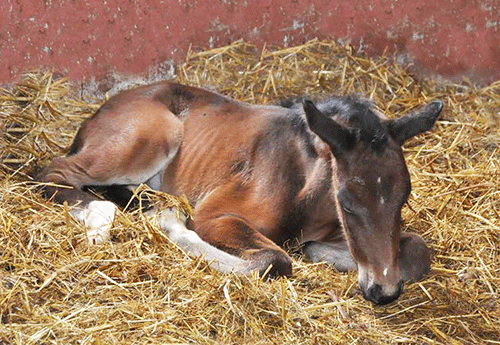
(375, 294)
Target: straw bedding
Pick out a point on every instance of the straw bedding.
(141, 289)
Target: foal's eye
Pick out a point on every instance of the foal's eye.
(345, 201)
(347, 210)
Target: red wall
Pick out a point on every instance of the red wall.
(88, 38)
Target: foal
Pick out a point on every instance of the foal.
(330, 175)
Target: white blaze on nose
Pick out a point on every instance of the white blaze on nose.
(385, 272)
(382, 199)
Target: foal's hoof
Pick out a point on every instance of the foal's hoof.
(414, 258)
(98, 218)
(271, 263)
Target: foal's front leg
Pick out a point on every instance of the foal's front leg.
(189, 241)
(336, 254)
(236, 236)
(229, 219)
(414, 256)
(245, 259)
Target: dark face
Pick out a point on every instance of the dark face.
(373, 184)
(372, 189)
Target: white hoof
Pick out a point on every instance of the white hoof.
(173, 212)
(97, 217)
(174, 224)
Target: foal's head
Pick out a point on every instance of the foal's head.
(372, 183)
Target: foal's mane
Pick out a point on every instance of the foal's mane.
(355, 113)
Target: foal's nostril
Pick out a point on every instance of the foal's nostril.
(376, 294)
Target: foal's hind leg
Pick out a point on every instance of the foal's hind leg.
(65, 181)
(118, 146)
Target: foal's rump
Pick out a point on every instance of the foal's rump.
(129, 141)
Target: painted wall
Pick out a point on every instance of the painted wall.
(89, 38)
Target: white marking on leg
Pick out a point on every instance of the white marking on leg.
(191, 243)
(379, 180)
(97, 217)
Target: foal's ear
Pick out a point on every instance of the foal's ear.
(418, 122)
(339, 138)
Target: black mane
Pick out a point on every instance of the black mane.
(353, 112)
